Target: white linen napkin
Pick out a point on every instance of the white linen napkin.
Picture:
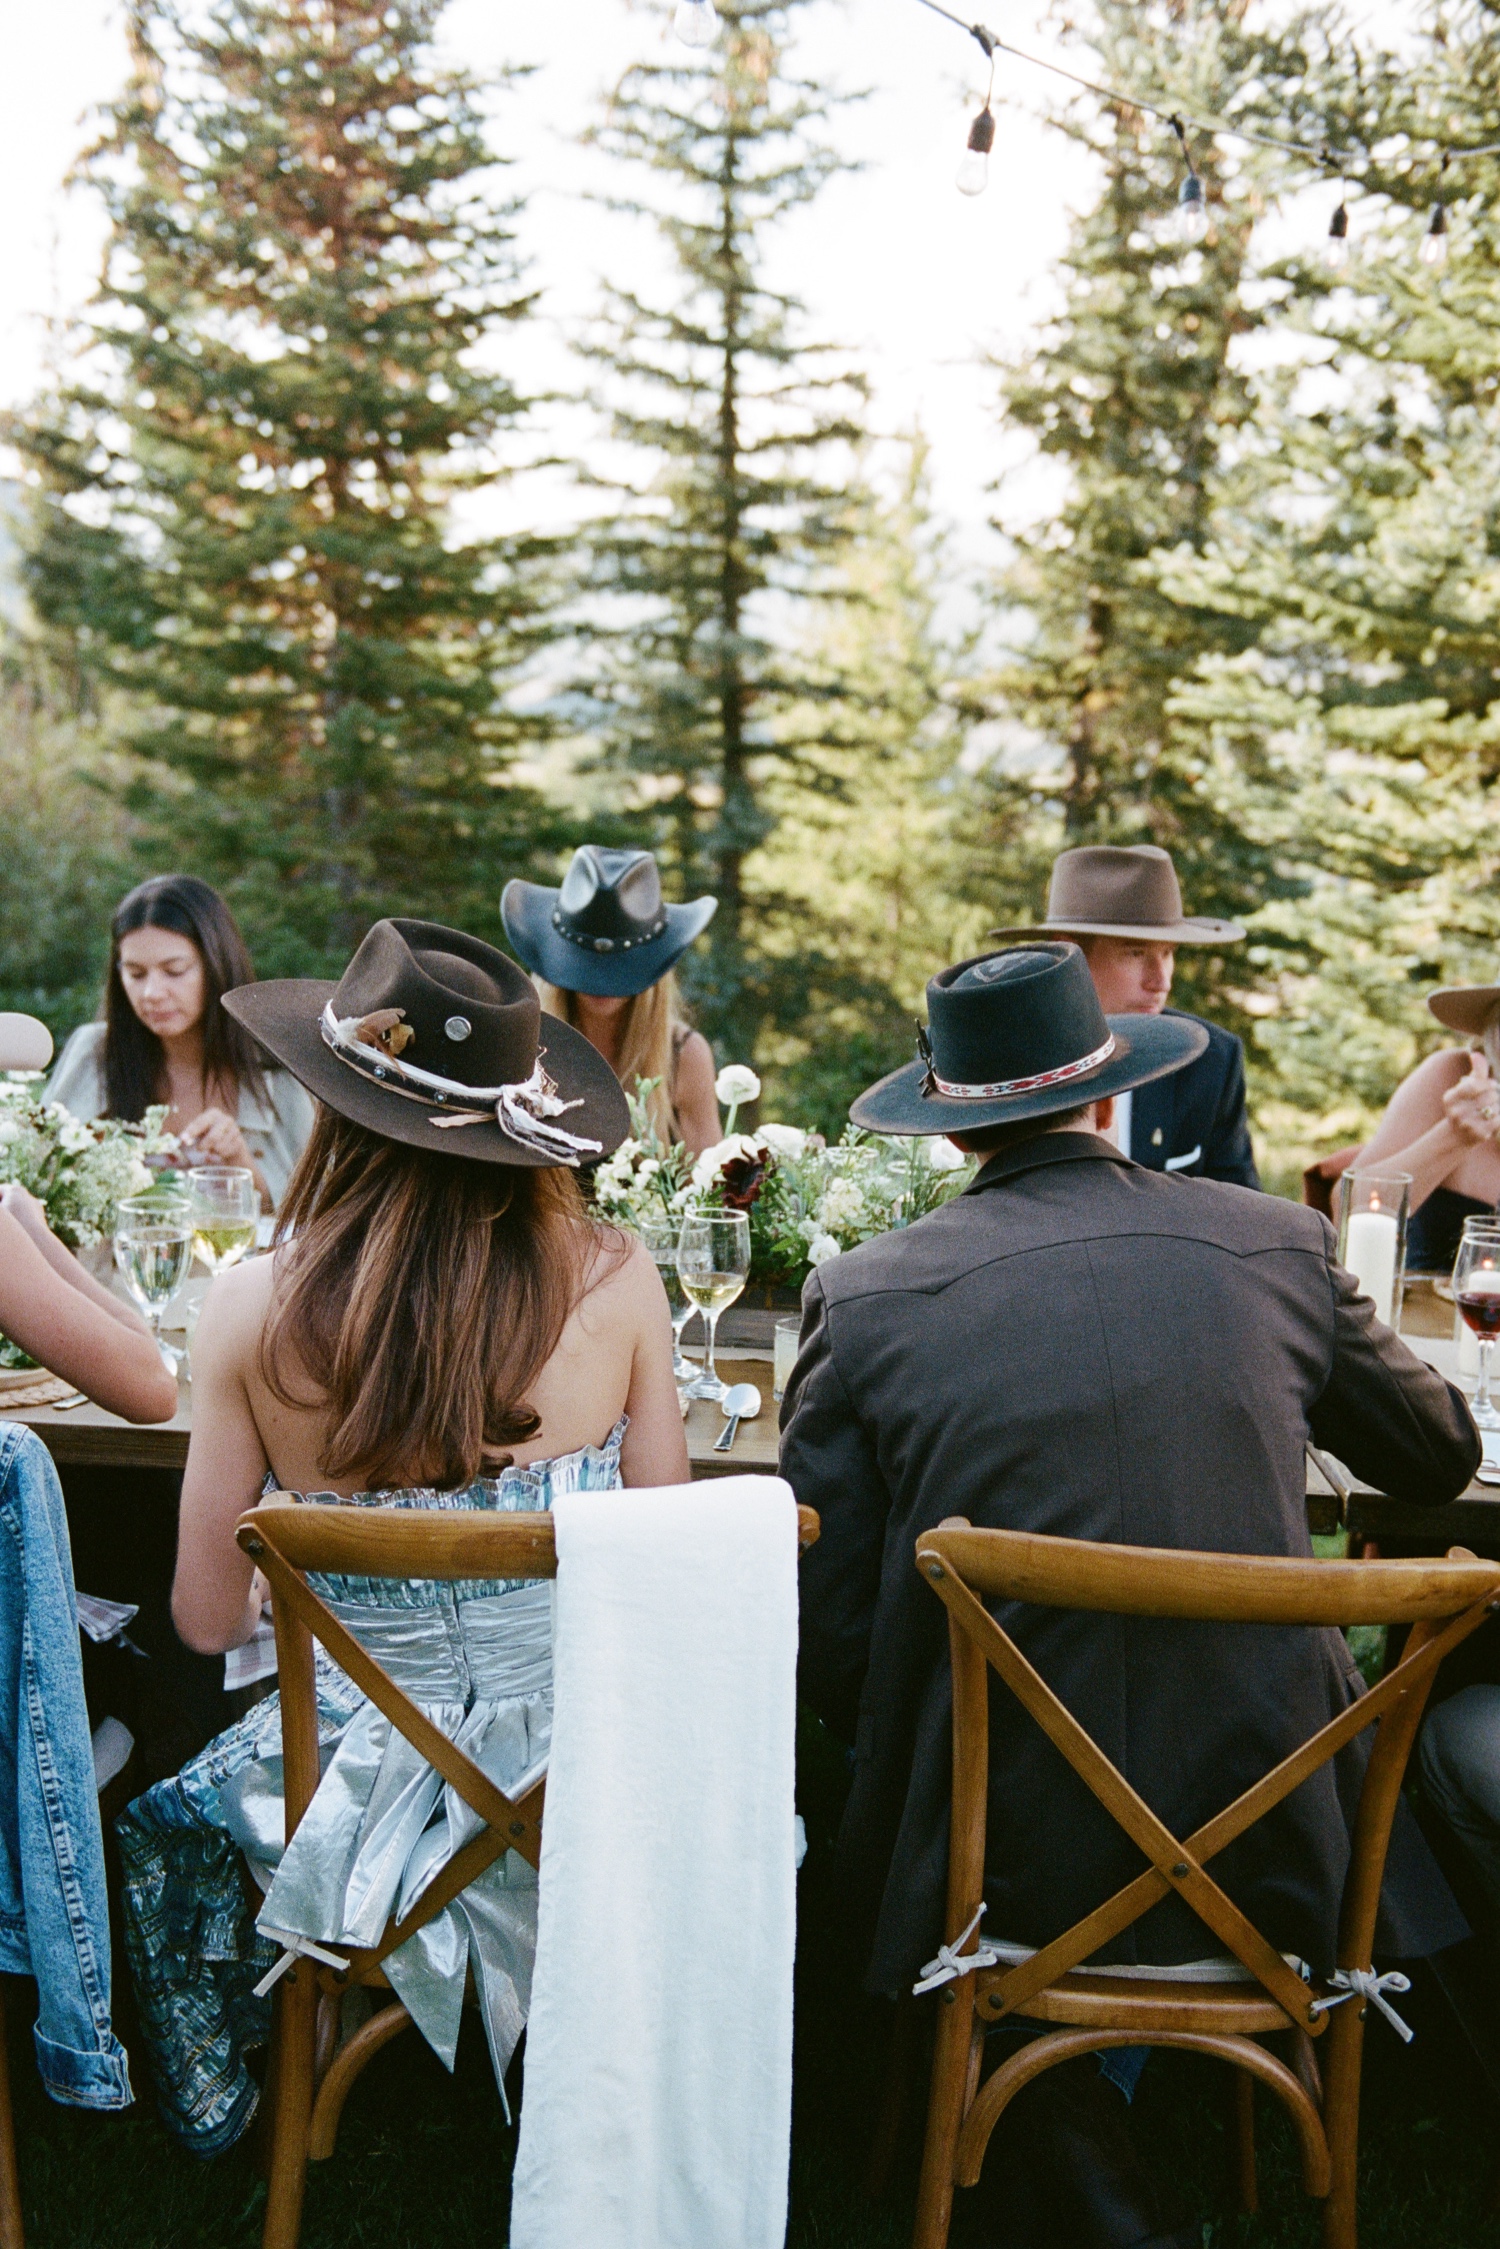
(656, 2111)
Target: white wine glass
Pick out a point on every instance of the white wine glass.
(154, 1252)
(713, 1263)
(225, 1206)
(660, 1236)
(1476, 1292)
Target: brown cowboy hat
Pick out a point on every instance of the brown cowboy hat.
(437, 1040)
(1465, 1007)
(1112, 890)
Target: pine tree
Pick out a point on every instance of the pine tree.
(242, 503)
(738, 513)
(1138, 392)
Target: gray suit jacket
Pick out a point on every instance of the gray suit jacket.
(1083, 1347)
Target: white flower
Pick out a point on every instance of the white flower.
(784, 1140)
(10, 1131)
(735, 1085)
(943, 1156)
(821, 1248)
(73, 1138)
(842, 1204)
(712, 1161)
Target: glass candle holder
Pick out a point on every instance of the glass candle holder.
(1373, 1210)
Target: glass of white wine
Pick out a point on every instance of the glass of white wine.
(660, 1237)
(154, 1251)
(713, 1261)
(225, 1206)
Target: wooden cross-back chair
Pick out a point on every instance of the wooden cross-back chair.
(1443, 1600)
(310, 2075)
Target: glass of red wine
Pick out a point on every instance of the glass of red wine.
(1476, 1292)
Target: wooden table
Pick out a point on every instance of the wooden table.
(89, 1437)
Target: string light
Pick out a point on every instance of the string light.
(974, 169)
(1192, 221)
(696, 23)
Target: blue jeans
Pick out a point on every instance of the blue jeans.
(54, 1921)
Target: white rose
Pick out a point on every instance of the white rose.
(736, 1085)
(943, 1156)
(821, 1248)
(784, 1140)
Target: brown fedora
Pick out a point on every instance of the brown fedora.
(434, 1039)
(1111, 890)
(1466, 1007)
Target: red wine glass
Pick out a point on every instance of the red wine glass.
(1476, 1291)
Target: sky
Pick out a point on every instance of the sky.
(916, 280)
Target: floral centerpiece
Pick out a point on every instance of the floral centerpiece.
(806, 1201)
(78, 1172)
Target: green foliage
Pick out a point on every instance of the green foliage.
(738, 510)
(241, 504)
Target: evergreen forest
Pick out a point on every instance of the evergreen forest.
(260, 638)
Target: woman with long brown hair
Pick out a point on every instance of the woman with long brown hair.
(175, 949)
(441, 1324)
(603, 950)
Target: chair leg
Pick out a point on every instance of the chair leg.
(1341, 2073)
(293, 2045)
(11, 2234)
(1246, 2181)
(952, 2072)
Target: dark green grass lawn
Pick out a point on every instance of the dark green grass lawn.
(426, 2159)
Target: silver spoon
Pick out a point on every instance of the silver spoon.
(741, 1402)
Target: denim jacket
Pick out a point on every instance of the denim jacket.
(54, 1921)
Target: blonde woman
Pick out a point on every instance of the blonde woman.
(1443, 1126)
(603, 949)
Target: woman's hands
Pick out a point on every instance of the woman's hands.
(1473, 1105)
(214, 1135)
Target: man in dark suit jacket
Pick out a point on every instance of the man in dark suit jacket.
(1082, 1347)
(1124, 908)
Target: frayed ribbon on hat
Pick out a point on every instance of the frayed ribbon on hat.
(521, 1111)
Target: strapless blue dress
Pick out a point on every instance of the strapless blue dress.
(477, 1658)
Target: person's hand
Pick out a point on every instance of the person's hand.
(25, 1209)
(214, 1135)
(1473, 1105)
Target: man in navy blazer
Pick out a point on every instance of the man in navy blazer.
(1124, 908)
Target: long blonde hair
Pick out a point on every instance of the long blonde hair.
(652, 1029)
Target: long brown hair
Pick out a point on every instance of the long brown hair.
(422, 1295)
(135, 1065)
(650, 1035)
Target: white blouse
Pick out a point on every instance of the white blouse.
(275, 1130)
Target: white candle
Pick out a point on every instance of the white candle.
(1370, 1254)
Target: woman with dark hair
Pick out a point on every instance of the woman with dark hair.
(442, 1324)
(174, 951)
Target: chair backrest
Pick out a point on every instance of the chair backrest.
(1442, 1600)
(287, 1539)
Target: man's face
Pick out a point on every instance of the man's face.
(1131, 978)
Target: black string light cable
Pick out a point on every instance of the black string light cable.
(1192, 210)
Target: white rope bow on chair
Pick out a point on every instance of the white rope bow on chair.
(294, 1948)
(1363, 1983)
(952, 1962)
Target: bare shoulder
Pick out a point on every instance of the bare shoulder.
(622, 1278)
(697, 1059)
(235, 1309)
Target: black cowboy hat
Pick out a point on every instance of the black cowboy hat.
(1021, 1034)
(437, 1040)
(607, 931)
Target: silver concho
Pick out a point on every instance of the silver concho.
(458, 1028)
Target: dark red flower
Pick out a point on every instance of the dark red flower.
(743, 1178)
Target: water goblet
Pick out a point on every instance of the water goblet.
(660, 1237)
(1476, 1292)
(225, 1206)
(713, 1263)
(154, 1251)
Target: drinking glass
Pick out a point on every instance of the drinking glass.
(786, 1336)
(225, 1207)
(713, 1260)
(1476, 1292)
(154, 1251)
(660, 1237)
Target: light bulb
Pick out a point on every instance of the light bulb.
(696, 23)
(974, 167)
(1336, 248)
(1192, 210)
(1434, 251)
